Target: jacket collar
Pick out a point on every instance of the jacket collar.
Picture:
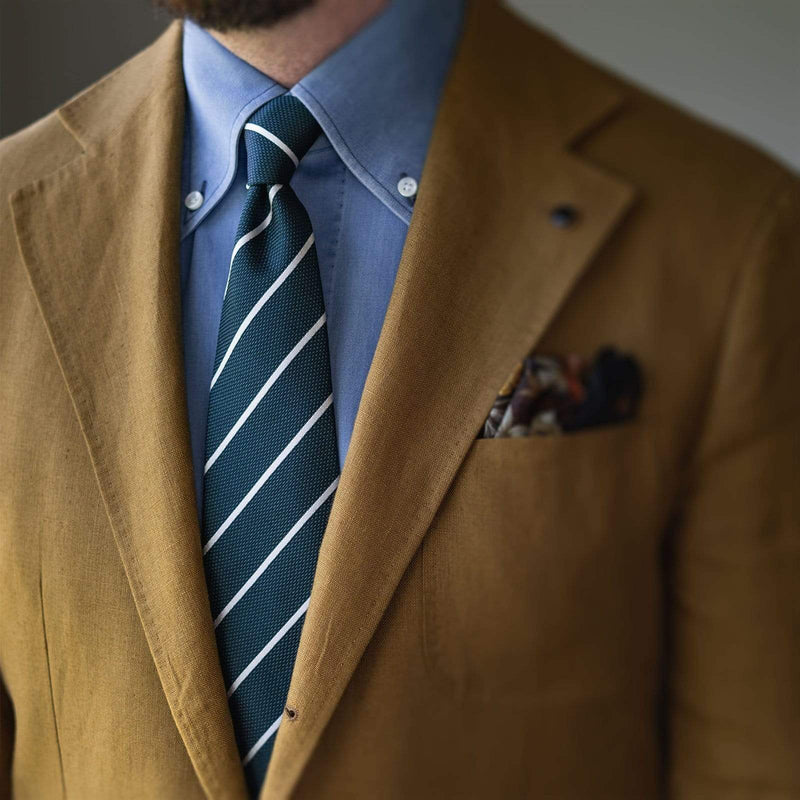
(482, 274)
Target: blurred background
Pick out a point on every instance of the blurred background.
(735, 62)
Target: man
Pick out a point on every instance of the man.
(502, 355)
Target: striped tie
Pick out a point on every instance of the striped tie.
(271, 460)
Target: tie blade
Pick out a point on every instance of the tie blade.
(272, 464)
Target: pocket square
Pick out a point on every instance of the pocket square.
(548, 394)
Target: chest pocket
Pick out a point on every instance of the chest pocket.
(541, 571)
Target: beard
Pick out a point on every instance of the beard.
(223, 15)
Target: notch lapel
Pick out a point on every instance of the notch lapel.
(482, 273)
(99, 238)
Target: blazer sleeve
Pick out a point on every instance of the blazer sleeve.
(733, 598)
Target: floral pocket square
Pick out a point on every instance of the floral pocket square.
(553, 394)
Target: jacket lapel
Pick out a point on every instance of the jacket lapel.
(482, 273)
(99, 238)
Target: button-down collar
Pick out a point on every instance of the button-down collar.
(375, 99)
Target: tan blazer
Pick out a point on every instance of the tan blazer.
(611, 614)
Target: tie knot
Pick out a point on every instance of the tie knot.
(277, 136)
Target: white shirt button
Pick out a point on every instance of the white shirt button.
(407, 187)
(194, 200)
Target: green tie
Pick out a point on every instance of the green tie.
(271, 459)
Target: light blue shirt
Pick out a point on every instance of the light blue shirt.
(375, 99)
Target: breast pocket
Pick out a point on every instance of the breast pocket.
(541, 570)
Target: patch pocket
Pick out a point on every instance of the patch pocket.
(540, 571)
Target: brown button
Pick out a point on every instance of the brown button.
(291, 712)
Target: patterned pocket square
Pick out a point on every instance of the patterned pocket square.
(552, 394)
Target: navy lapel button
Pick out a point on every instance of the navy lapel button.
(563, 215)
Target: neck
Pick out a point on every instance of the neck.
(292, 47)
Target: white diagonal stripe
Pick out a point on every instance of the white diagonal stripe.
(262, 741)
(287, 626)
(260, 304)
(270, 469)
(279, 370)
(276, 551)
(274, 139)
(253, 233)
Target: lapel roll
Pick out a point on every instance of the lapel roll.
(482, 273)
(99, 238)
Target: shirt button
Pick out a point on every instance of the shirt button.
(193, 200)
(407, 186)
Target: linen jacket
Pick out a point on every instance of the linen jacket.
(608, 614)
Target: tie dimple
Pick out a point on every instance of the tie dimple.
(277, 136)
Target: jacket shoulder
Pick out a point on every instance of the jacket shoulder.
(666, 146)
(665, 143)
(44, 146)
(36, 150)
(649, 138)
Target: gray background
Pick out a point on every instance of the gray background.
(735, 62)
